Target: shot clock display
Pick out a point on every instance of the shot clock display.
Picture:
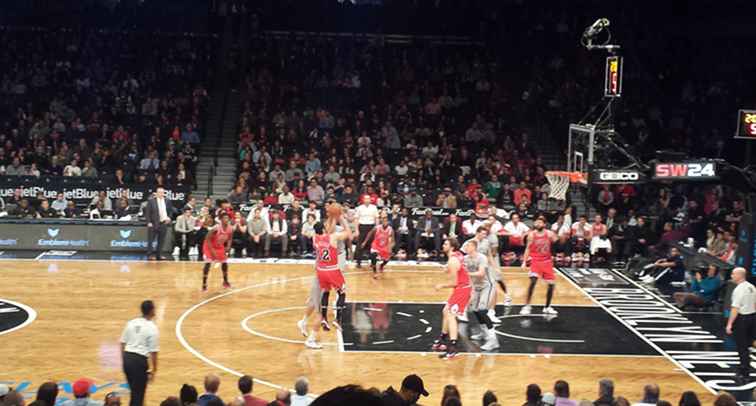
(746, 124)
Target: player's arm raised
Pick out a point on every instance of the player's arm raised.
(346, 232)
(452, 267)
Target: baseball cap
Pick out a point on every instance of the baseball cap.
(4, 389)
(414, 383)
(81, 387)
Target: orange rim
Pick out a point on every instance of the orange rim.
(575, 177)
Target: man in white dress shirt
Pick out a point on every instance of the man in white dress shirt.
(140, 343)
(366, 219)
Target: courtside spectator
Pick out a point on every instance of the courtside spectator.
(533, 395)
(245, 386)
(650, 395)
(300, 398)
(409, 393)
(47, 393)
(188, 395)
(212, 383)
(562, 394)
(81, 390)
(605, 393)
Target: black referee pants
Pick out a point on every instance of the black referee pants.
(135, 368)
(364, 230)
(744, 331)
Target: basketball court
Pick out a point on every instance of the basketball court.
(62, 319)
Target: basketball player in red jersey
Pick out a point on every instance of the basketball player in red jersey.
(459, 280)
(329, 274)
(382, 236)
(538, 251)
(215, 248)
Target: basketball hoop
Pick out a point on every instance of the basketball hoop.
(559, 181)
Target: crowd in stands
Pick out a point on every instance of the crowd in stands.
(411, 392)
(99, 105)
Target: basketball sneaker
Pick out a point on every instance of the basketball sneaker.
(226, 285)
(507, 300)
(492, 316)
(492, 342)
(449, 354)
(302, 324)
(462, 317)
(550, 311)
(204, 288)
(324, 325)
(311, 343)
(525, 310)
(438, 345)
(478, 336)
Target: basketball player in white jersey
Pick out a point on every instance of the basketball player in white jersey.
(483, 293)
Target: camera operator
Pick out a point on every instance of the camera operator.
(703, 290)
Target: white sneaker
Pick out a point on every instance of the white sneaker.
(507, 300)
(492, 315)
(302, 324)
(478, 336)
(550, 310)
(311, 343)
(492, 342)
(525, 310)
(648, 279)
(462, 318)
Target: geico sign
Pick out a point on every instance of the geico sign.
(617, 176)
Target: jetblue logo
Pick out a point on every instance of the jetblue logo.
(125, 233)
(53, 232)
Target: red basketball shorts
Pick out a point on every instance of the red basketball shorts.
(331, 280)
(458, 300)
(213, 253)
(543, 269)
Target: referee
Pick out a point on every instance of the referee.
(367, 218)
(742, 321)
(139, 342)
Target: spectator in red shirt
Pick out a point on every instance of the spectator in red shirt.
(300, 192)
(522, 193)
(245, 387)
(472, 190)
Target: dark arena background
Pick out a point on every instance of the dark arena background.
(129, 129)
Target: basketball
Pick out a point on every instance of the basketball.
(335, 211)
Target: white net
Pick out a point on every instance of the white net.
(558, 183)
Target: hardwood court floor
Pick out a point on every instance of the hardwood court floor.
(82, 307)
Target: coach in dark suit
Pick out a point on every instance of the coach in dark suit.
(452, 228)
(428, 230)
(404, 228)
(158, 213)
